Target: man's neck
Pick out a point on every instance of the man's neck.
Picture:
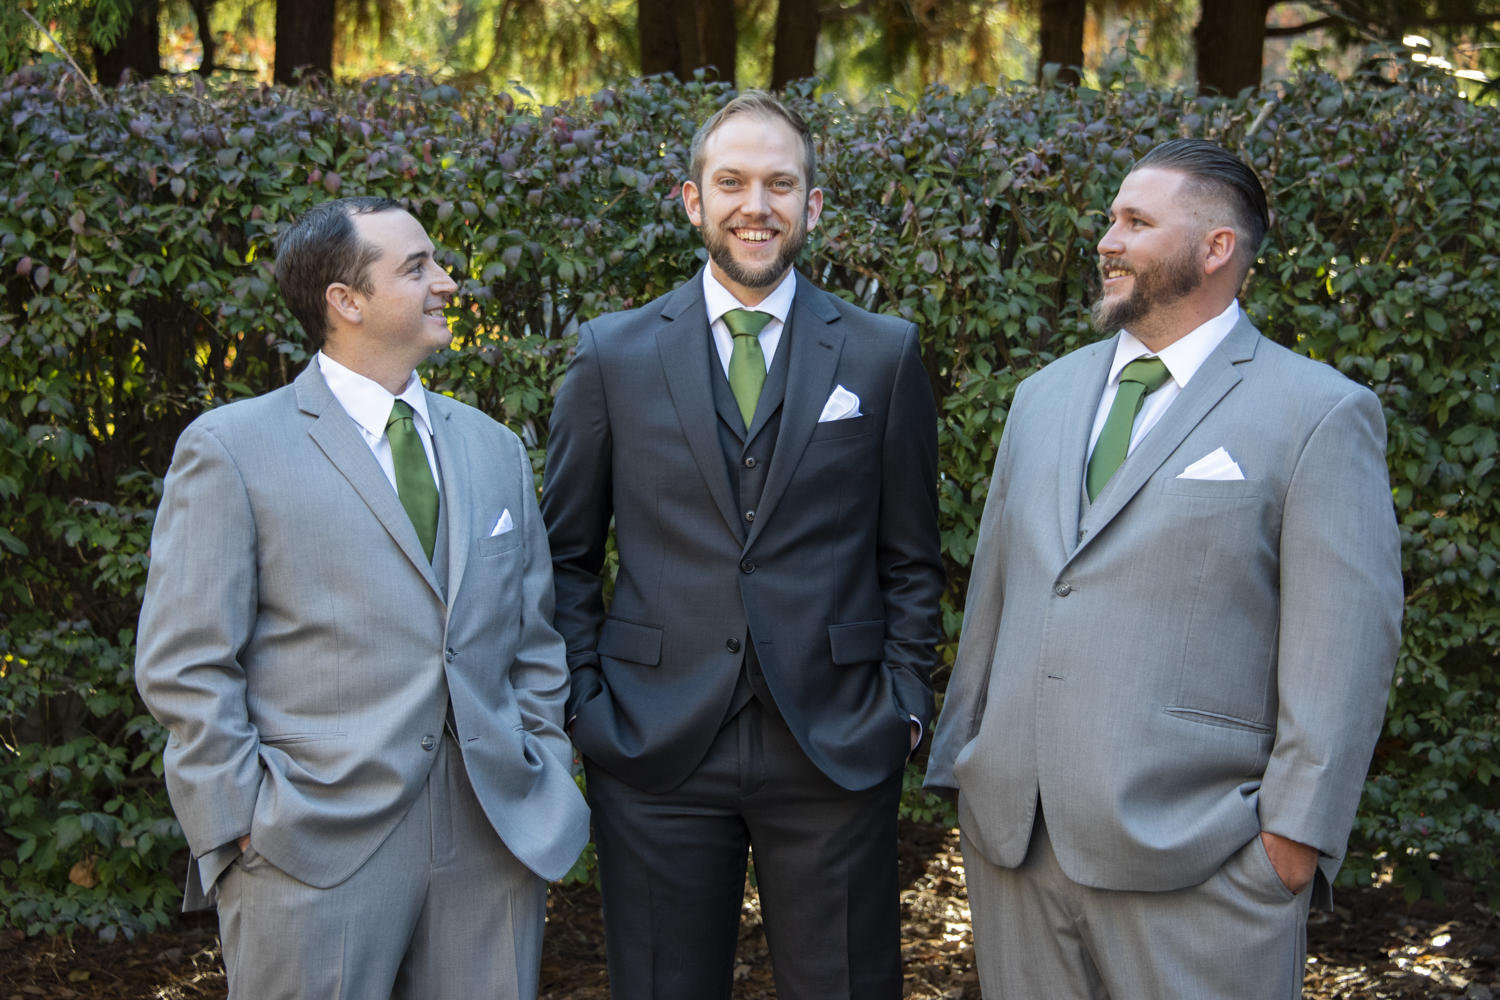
(392, 374)
(1167, 325)
(745, 295)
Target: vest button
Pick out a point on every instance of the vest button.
(748, 566)
(733, 645)
(1062, 590)
(749, 463)
(428, 743)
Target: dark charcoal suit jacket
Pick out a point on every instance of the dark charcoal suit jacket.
(836, 579)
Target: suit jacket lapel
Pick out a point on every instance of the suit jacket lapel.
(456, 493)
(336, 434)
(1209, 384)
(1077, 424)
(683, 343)
(812, 364)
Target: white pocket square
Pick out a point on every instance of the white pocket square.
(1215, 465)
(504, 524)
(842, 405)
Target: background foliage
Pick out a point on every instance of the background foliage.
(134, 244)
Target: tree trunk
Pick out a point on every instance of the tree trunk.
(796, 53)
(689, 50)
(201, 10)
(304, 38)
(1231, 37)
(138, 49)
(1062, 38)
(720, 37)
(656, 27)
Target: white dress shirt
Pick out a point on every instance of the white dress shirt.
(720, 300)
(1183, 358)
(369, 404)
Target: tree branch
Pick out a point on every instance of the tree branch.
(1286, 31)
(66, 55)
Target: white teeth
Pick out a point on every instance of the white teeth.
(753, 235)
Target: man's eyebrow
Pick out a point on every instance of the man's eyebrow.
(417, 255)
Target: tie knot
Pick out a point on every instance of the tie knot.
(746, 322)
(400, 410)
(1149, 372)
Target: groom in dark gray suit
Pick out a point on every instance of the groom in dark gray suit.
(769, 456)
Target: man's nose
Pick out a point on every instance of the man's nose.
(757, 200)
(1110, 243)
(445, 285)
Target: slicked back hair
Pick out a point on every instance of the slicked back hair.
(1218, 173)
(322, 248)
(766, 107)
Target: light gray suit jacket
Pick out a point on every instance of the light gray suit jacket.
(1190, 662)
(298, 646)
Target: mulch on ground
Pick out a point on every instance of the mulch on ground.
(1372, 946)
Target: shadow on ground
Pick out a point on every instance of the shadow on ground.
(1373, 946)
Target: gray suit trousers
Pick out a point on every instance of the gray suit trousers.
(1241, 935)
(441, 911)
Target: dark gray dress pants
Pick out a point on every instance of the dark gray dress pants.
(672, 870)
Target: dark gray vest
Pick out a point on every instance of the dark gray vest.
(748, 455)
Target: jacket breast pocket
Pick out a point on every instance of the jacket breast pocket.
(629, 641)
(1215, 489)
(495, 545)
(849, 427)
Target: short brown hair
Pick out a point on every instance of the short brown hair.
(1218, 173)
(766, 107)
(323, 248)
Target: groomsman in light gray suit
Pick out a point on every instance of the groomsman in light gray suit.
(348, 631)
(1180, 629)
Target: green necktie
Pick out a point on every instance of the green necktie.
(747, 364)
(414, 483)
(1139, 378)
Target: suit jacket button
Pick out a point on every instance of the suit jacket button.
(748, 566)
(733, 645)
(449, 655)
(1062, 590)
(749, 463)
(428, 743)
(749, 515)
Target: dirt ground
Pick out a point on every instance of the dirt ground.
(1374, 946)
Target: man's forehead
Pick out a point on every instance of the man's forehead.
(395, 231)
(748, 139)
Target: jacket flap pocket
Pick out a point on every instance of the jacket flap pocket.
(857, 642)
(622, 640)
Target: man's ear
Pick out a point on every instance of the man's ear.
(814, 206)
(345, 303)
(1220, 245)
(692, 200)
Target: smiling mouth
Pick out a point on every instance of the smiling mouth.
(1110, 273)
(436, 313)
(755, 235)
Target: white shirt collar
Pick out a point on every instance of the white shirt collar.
(1182, 357)
(367, 402)
(720, 300)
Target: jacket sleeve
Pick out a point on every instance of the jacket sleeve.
(577, 504)
(199, 613)
(1340, 628)
(908, 548)
(539, 674)
(968, 685)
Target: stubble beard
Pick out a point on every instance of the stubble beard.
(1154, 286)
(716, 240)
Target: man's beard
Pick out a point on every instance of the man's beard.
(1157, 285)
(716, 239)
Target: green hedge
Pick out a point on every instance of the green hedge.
(134, 239)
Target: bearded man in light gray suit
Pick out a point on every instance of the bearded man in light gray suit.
(348, 631)
(1181, 626)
